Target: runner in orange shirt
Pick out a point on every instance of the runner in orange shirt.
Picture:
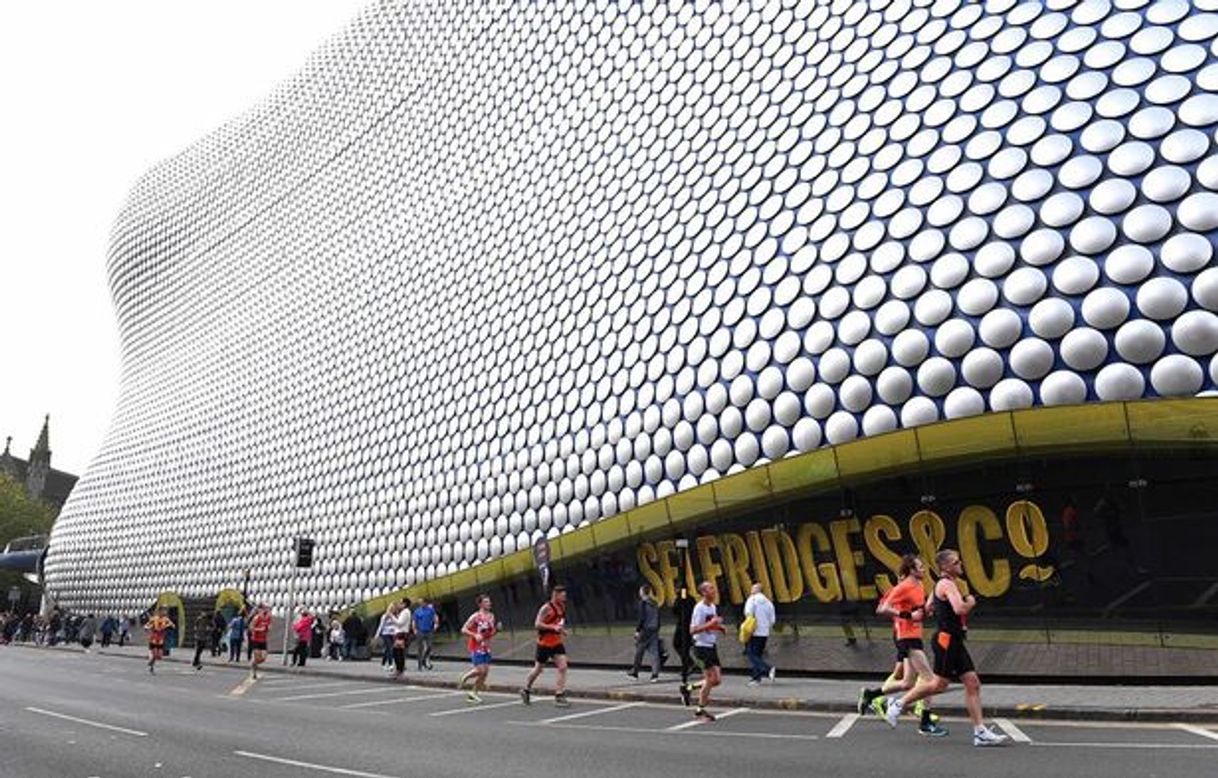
(156, 627)
(905, 603)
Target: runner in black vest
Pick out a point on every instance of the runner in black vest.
(952, 660)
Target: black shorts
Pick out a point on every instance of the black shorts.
(156, 646)
(546, 653)
(905, 645)
(951, 657)
(257, 645)
(706, 657)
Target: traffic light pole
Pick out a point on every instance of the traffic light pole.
(287, 618)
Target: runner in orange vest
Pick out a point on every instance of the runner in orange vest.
(551, 625)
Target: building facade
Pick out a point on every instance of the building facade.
(479, 275)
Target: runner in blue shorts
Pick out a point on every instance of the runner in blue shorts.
(480, 627)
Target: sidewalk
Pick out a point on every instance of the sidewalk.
(1195, 704)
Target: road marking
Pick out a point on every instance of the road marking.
(1015, 732)
(246, 684)
(712, 732)
(97, 724)
(843, 726)
(587, 713)
(1209, 733)
(1129, 595)
(698, 722)
(473, 708)
(309, 765)
(1206, 596)
(416, 698)
(323, 695)
(1193, 746)
(303, 687)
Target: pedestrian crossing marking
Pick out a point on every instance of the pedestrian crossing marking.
(246, 684)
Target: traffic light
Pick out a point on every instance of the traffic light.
(304, 552)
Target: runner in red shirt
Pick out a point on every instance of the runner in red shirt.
(156, 627)
(480, 627)
(260, 630)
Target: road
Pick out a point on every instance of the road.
(70, 715)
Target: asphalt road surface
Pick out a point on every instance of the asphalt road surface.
(67, 715)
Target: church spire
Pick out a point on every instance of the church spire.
(43, 446)
(40, 462)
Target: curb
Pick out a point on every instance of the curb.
(1020, 712)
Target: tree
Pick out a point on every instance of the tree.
(20, 516)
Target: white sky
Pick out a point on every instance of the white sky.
(91, 95)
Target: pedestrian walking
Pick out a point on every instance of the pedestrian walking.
(952, 660)
(425, 621)
(705, 626)
(218, 625)
(759, 608)
(402, 629)
(85, 632)
(203, 625)
(479, 628)
(551, 626)
(107, 631)
(338, 639)
(236, 636)
(356, 636)
(647, 634)
(303, 629)
(385, 631)
(124, 631)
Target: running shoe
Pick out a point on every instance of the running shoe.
(988, 737)
(931, 729)
(473, 698)
(704, 714)
(892, 714)
(686, 694)
(526, 696)
(561, 700)
(655, 679)
(879, 705)
(920, 707)
(773, 672)
(633, 675)
(754, 682)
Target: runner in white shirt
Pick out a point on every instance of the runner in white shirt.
(704, 626)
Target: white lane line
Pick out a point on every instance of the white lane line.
(1186, 746)
(307, 686)
(698, 722)
(399, 700)
(97, 724)
(309, 765)
(475, 708)
(588, 713)
(1203, 732)
(842, 727)
(1015, 732)
(709, 731)
(323, 695)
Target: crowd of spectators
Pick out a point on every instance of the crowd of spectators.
(60, 627)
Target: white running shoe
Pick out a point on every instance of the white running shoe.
(893, 714)
(773, 672)
(988, 737)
